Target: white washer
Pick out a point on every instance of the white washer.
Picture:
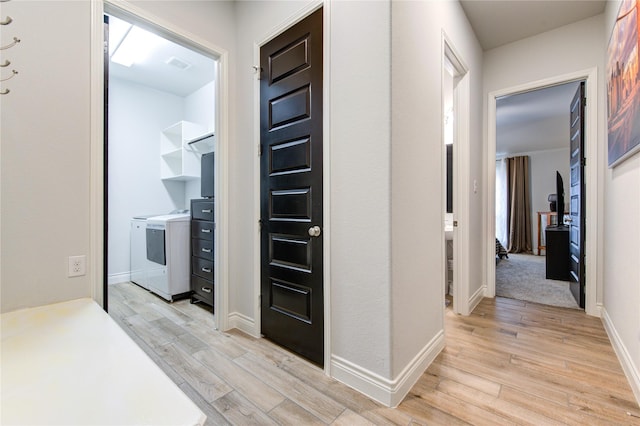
(168, 239)
(138, 251)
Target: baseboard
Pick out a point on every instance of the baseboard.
(385, 391)
(477, 298)
(630, 370)
(243, 323)
(122, 277)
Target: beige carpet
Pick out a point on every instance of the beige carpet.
(522, 277)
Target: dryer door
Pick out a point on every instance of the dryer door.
(155, 246)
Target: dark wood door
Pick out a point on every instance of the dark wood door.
(576, 198)
(292, 308)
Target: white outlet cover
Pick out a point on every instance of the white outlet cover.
(77, 266)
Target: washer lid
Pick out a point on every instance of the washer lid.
(182, 217)
(144, 216)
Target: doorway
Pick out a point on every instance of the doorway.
(455, 140)
(532, 131)
(591, 150)
(159, 107)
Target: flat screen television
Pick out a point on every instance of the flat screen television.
(560, 199)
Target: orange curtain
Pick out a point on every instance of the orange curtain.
(519, 205)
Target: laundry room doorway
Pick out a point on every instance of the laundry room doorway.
(162, 155)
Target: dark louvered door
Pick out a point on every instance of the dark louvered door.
(576, 198)
(291, 189)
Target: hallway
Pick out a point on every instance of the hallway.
(509, 362)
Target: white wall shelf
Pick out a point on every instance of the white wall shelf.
(178, 158)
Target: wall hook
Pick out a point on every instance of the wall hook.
(6, 63)
(16, 40)
(7, 21)
(13, 74)
(5, 92)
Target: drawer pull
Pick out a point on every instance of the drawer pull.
(207, 210)
(206, 250)
(207, 270)
(206, 231)
(206, 289)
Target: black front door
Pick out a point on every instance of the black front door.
(292, 308)
(576, 198)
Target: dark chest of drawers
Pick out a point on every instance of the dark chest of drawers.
(557, 257)
(202, 250)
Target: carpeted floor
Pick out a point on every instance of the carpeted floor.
(522, 277)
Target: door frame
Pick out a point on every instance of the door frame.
(255, 330)
(462, 302)
(593, 155)
(97, 213)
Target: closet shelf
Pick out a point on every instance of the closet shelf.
(202, 144)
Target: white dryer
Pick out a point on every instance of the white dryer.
(138, 250)
(167, 241)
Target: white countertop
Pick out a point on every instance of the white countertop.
(70, 364)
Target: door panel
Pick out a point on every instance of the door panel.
(576, 198)
(292, 311)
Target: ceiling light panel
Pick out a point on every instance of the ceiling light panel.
(136, 47)
(117, 30)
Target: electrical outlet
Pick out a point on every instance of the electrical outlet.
(77, 266)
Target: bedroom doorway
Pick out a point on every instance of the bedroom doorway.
(532, 146)
(542, 204)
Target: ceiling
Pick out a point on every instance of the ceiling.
(541, 113)
(536, 120)
(152, 69)
(496, 23)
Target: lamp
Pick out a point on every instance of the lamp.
(553, 200)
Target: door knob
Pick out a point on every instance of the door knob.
(314, 231)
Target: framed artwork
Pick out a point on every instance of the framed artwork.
(623, 85)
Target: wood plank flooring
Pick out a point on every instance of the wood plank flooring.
(508, 363)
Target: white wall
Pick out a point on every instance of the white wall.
(417, 169)
(360, 77)
(621, 254)
(137, 115)
(199, 108)
(44, 125)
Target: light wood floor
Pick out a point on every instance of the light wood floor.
(510, 362)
